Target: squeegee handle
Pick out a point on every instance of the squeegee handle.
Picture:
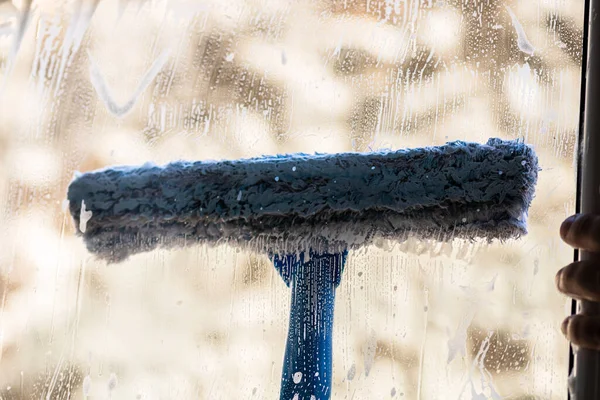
(587, 382)
(307, 364)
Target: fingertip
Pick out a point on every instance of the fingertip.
(564, 327)
(566, 226)
(582, 331)
(558, 280)
(582, 231)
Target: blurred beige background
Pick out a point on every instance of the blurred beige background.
(87, 84)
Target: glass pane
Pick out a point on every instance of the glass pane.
(91, 84)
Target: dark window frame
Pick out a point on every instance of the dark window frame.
(587, 362)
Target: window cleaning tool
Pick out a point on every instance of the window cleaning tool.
(306, 212)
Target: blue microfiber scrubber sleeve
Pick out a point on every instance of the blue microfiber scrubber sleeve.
(330, 202)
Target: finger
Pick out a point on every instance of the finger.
(582, 330)
(580, 280)
(582, 231)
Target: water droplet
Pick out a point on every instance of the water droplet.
(276, 179)
(523, 162)
(500, 172)
(294, 169)
(297, 377)
(464, 220)
(372, 167)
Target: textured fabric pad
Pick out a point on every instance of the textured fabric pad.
(327, 202)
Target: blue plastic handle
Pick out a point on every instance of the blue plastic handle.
(307, 365)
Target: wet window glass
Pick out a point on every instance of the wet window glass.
(86, 85)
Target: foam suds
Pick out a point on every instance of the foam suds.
(84, 217)
(297, 377)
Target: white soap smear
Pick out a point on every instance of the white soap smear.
(297, 377)
(87, 385)
(112, 382)
(369, 352)
(84, 217)
(239, 196)
(65, 205)
(294, 169)
(229, 57)
(351, 372)
(296, 397)
(276, 179)
(312, 397)
(522, 40)
(104, 93)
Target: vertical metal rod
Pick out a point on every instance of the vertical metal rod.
(587, 363)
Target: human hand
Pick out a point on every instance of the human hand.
(581, 279)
